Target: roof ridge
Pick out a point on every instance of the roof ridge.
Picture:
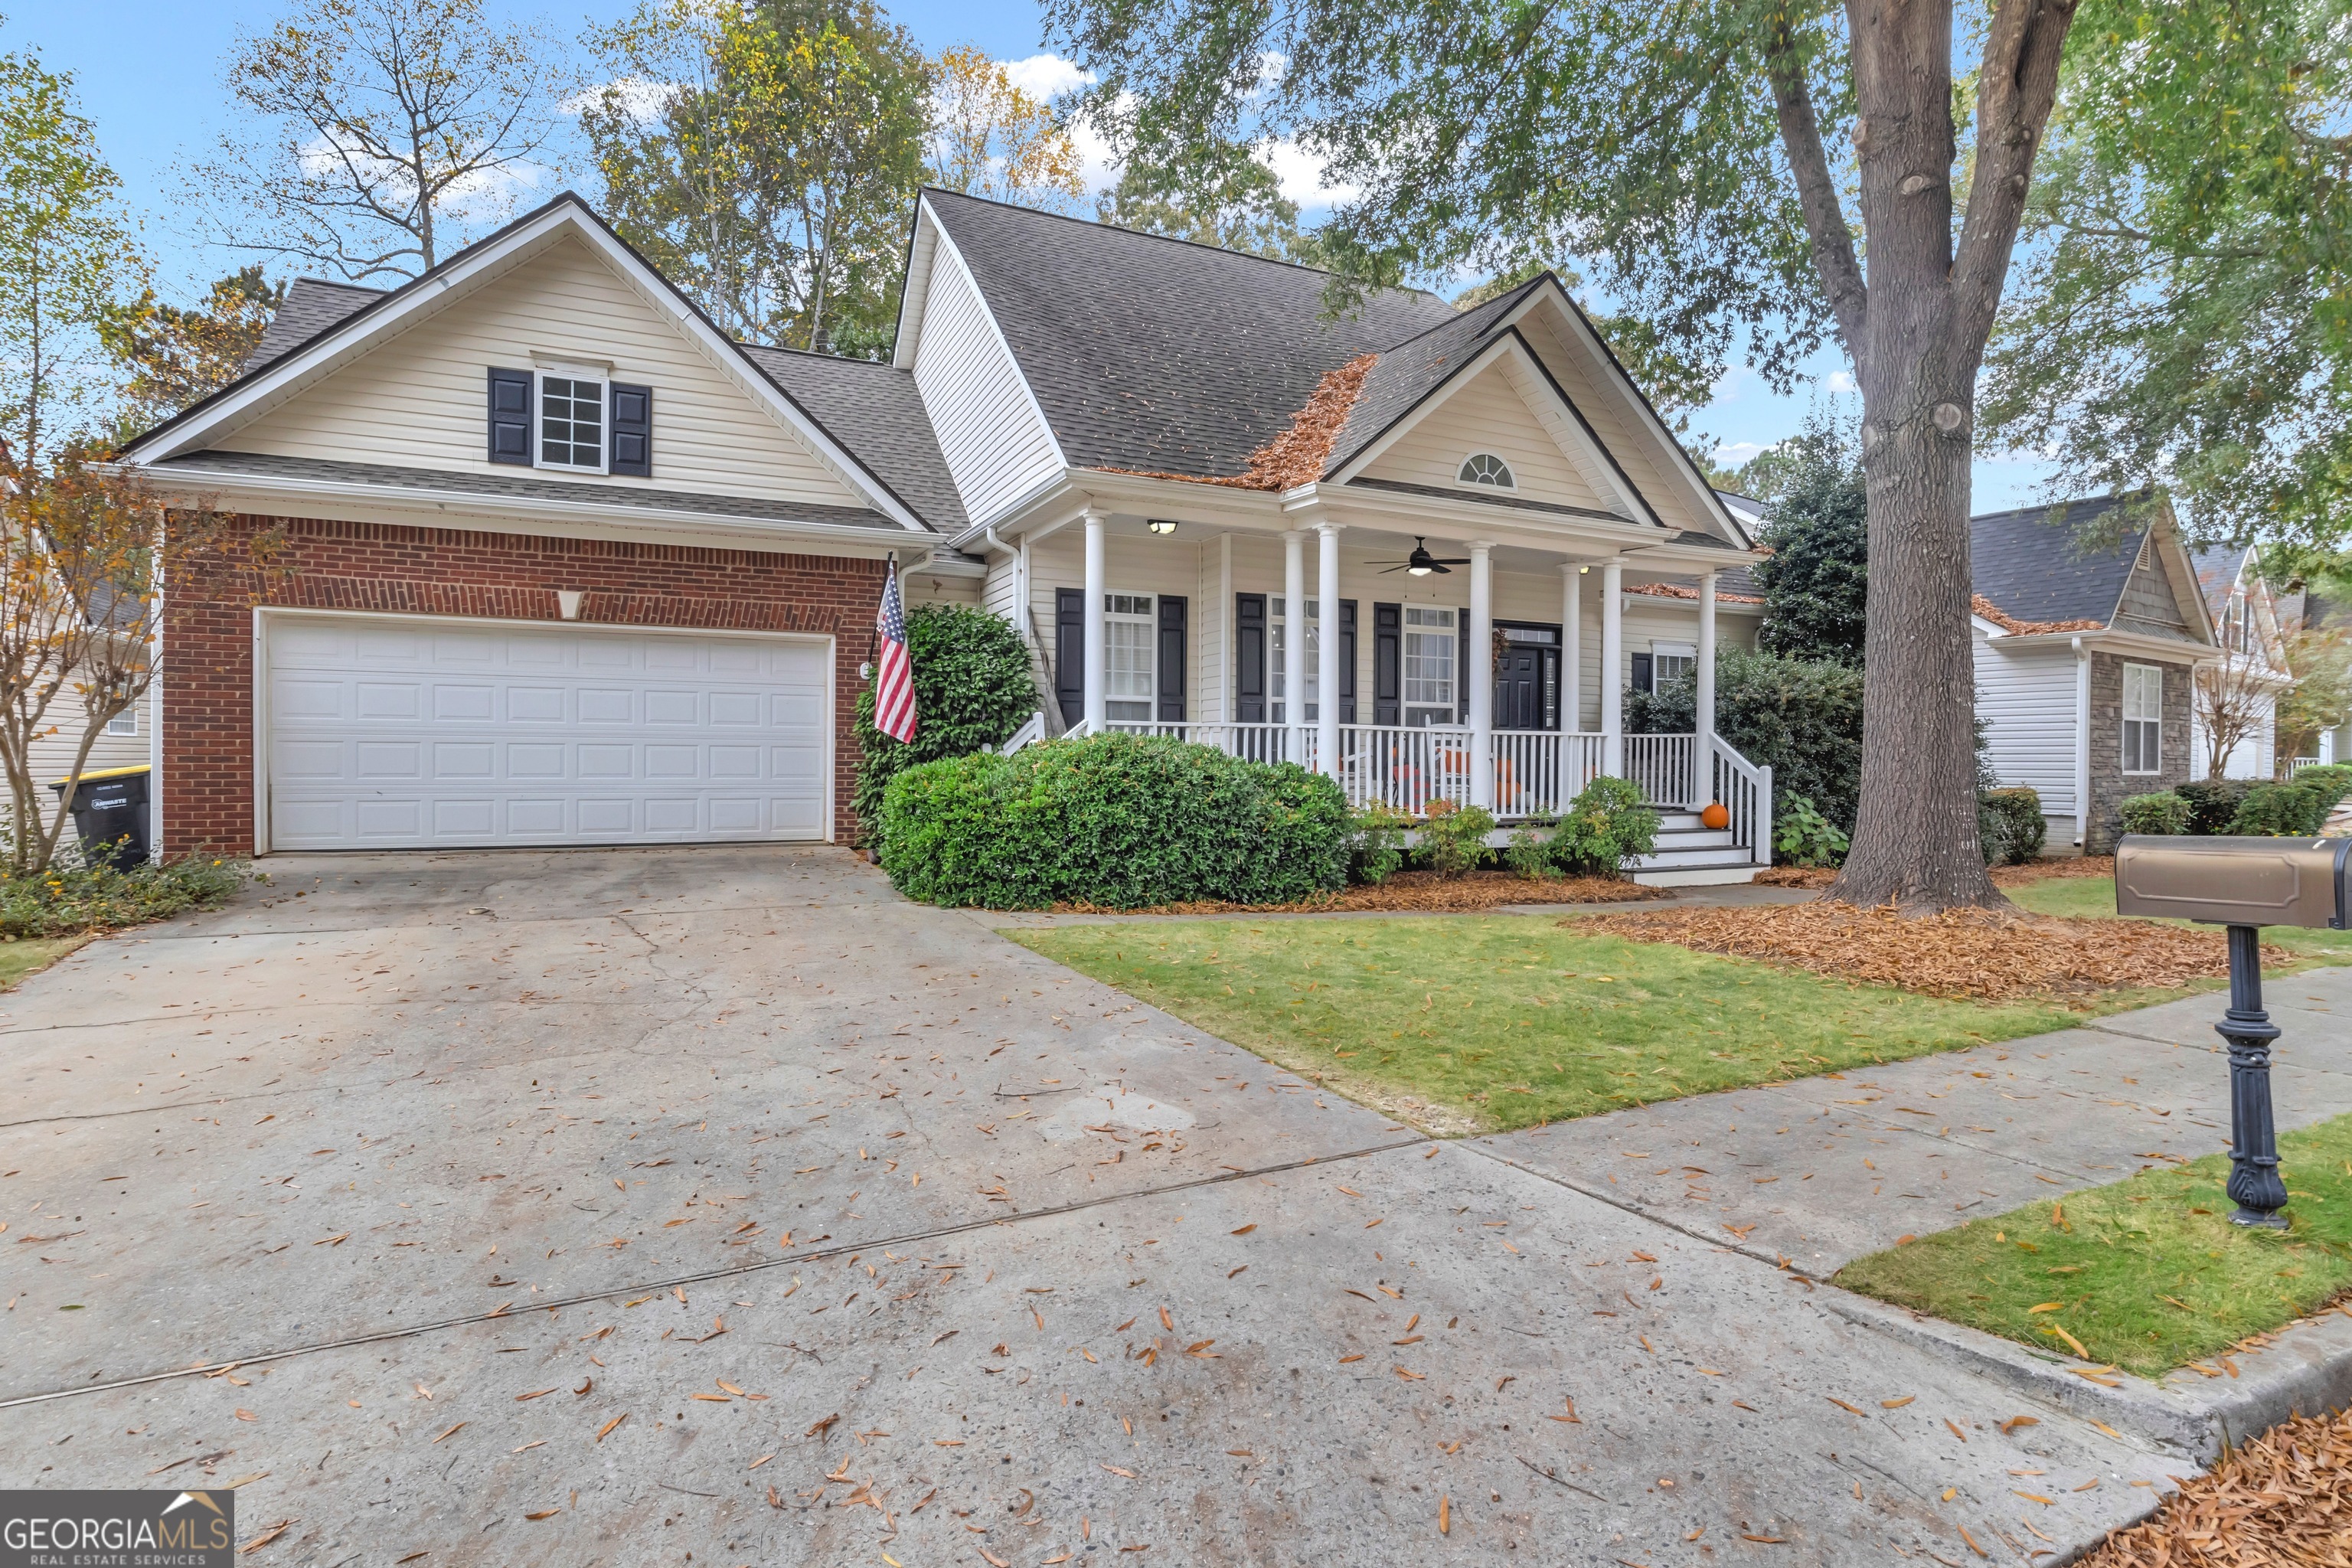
(1171, 239)
(1461, 316)
(340, 283)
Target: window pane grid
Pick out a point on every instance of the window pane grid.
(571, 422)
(2143, 718)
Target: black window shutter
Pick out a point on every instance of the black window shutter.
(1462, 667)
(1347, 661)
(1642, 680)
(510, 417)
(1249, 659)
(1171, 659)
(633, 430)
(1388, 663)
(1070, 652)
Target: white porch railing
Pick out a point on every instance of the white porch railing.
(1537, 772)
(1029, 734)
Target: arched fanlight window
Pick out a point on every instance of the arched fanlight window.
(1485, 469)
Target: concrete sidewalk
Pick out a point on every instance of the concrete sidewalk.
(1823, 1170)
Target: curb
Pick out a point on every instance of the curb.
(2306, 1367)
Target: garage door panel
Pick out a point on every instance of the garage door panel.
(387, 736)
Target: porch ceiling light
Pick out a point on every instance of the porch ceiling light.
(1160, 525)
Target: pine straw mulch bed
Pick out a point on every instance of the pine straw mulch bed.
(1423, 892)
(2283, 1500)
(1986, 954)
(2002, 876)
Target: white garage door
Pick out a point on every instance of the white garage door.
(390, 734)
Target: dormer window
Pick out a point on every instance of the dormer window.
(571, 418)
(1485, 469)
(570, 421)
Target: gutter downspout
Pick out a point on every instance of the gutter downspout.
(2082, 743)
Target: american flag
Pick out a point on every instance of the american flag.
(894, 684)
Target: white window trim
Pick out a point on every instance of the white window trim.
(1406, 707)
(1149, 620)
(1277, 625)
(1509, 481)
(602, 377)
(125, 722)
(2122, 739)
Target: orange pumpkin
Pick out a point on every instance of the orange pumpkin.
(1715, 816)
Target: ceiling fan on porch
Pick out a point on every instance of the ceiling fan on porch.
(1421, 563)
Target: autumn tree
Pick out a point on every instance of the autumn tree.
(169, 356)
(376, 137)
(990, 137)
(1726, 169)
(1217, 194)
(766, 158)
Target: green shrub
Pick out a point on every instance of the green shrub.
(1122, 821)
(1377, 849)
(1529, 854)
(1800, 717)
(1454, 837)
(972, 689)
(2333, 780)
(64, 901)
(2213, 803)
(2282, 811)
(1607, 827)
(2163, 812)
(1803, 836)
(2010, 824)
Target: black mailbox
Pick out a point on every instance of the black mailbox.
(2244, 884)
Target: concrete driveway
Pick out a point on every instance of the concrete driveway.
(718, 1206)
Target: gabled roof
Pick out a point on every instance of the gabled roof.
(320, 340)
(1157, 355)
(2218, 570)
(2032, 574)
(1409, 371)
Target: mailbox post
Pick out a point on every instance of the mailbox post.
(2244, 884)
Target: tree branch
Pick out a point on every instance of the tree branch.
(2017, 87)
(1800, 137)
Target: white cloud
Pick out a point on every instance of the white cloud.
(1301, 176)
(1736, 453)
(1047, 76)
(1840, 380)
(641, 99)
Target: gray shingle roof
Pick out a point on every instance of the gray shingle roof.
(1157, 354)
(875, 411)
(311, 305)
(2217, 572)
(2031, 569)
(1409, 371)
(524, 483)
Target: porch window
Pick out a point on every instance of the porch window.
(1429, 657)
(1130, 674)
(1310, 686)
(2143, 718)
(1668, 660)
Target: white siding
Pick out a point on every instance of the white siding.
(1576, 374)
(2253, 757)
(419, 400)
(2026, 698)
(996, 446)
(52, 755)
(1486, 414)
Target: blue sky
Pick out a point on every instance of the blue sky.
(148, 72)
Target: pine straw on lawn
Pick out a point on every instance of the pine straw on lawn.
(2283, 1500)
(1989, 955)
(2002, 876)
(1423, 892)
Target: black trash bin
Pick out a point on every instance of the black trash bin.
(109, 812)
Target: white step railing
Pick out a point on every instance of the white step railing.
(1029, 734)
(1745, 788)
(1661, 766)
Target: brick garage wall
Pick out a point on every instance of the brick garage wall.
(208, 675)
(2109, 785)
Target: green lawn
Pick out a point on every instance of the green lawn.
(1462, 1023)
(2094, 897)
(2146, 1274)
(29, 955)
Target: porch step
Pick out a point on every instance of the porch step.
(1699, 876)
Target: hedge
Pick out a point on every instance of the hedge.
(1800, 717)
(2160, 812)
(1119, 821)
(2010, 824)
(972, 689)
(2282, 811)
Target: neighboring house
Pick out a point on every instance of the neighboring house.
(2085, 657)
(2246, 619)
(563, 564)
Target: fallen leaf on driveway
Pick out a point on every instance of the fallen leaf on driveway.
(272, 1533)
(451, 1432)
(607, 1427)
(1115, 1471)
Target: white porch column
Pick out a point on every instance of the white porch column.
(1098, 710)
(1327, 673)
(1571, 648)
(1294, 642)
(1613, 670)
(1703, 745)
(1481, 676)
